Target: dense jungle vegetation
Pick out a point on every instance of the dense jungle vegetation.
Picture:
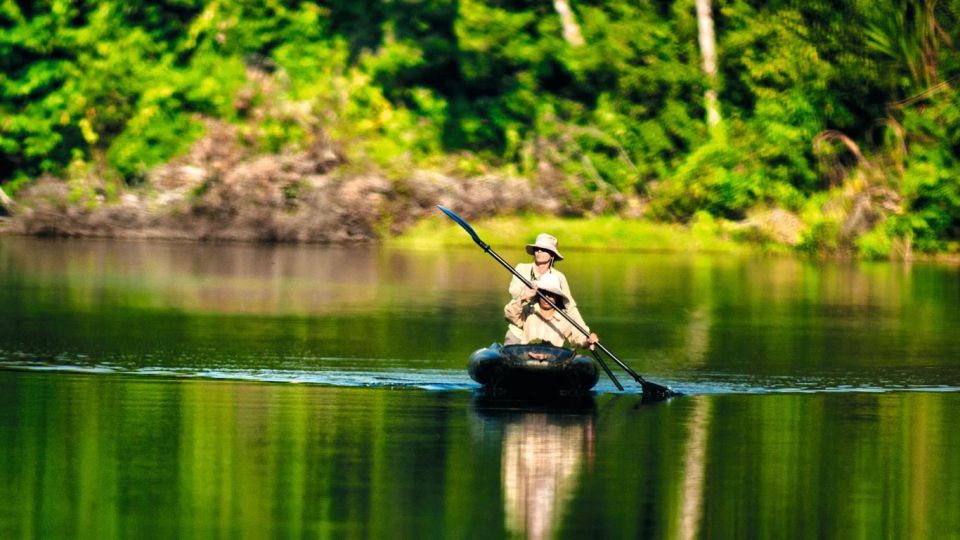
(843, 114)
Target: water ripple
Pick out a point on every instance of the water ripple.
(698, 383)
(425, 379)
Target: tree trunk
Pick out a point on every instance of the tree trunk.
(571, 30)
(708, 48)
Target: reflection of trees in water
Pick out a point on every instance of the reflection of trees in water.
(541, 461)
(694, 469)
(244, 278)
(697, 345)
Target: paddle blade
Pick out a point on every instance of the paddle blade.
(655, 392)
(466, 226)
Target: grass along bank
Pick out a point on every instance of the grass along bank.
(595, 233)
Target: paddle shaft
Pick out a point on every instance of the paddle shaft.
(606, 370)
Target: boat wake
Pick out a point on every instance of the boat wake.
(876, 381)
(430, 379)
(445, 380)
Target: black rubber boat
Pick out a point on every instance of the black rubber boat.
(532, 370)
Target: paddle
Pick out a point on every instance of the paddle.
(606, 369)
(651, 391)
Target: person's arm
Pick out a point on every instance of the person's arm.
(571, 306)
(576, 338)
(565, 287)
(574, 314)
(513, 312)
(517, 287)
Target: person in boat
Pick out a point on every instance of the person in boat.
(545, 254)
(538, 321)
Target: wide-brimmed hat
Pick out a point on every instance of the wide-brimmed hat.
(550, 283)
(547, 242)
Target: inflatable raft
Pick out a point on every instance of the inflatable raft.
(532, 369)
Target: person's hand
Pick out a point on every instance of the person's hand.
(592, 340)
(529, 294)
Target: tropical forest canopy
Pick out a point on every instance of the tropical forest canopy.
(814, 98)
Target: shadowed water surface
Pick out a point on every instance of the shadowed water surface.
(166, 389)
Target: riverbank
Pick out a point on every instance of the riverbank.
(330, 209)
(366, 209)
(220, 193)
(607, 233)
(224, 190)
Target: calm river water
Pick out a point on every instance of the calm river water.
(183, 390)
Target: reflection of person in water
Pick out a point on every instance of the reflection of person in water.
(542, 457)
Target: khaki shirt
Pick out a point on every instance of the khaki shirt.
(517, 288)
(533, 325)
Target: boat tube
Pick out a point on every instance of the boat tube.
(532, 369)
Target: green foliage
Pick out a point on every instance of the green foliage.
(930, 181)
(777, 85)
(934, 204)
(876, 244)
(776, 100)
(124, 86)
(711, 179)
(126, 81)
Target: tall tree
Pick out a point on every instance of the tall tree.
(571, 30)
(708, 50)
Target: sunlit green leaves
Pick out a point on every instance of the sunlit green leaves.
(495, 85)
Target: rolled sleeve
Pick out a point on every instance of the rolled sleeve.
(517, 287)
(513, 312)
(577, 337)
